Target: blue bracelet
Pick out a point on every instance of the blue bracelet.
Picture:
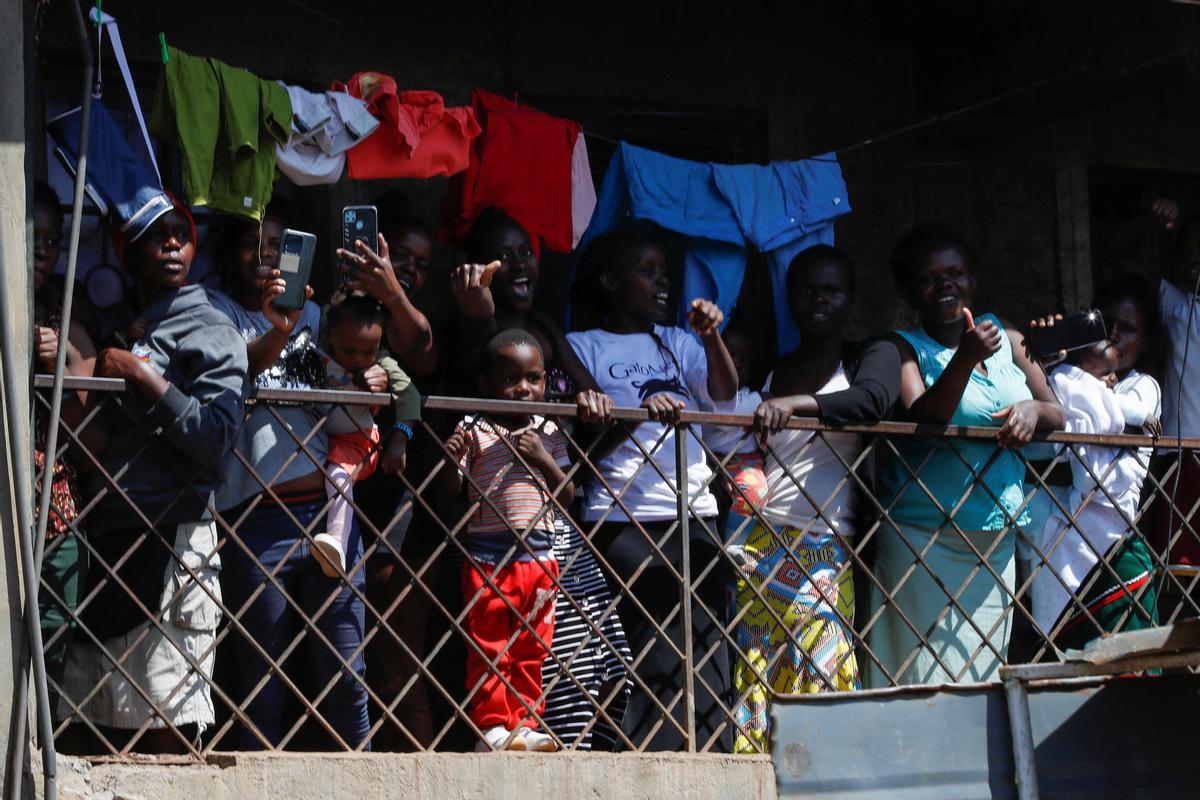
(404, 426)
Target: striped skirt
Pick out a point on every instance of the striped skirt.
(586, 677)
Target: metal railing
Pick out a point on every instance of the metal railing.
(666, 637)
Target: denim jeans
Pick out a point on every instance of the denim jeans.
(273, 622)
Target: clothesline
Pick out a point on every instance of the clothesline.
(1006, 95)
(471, 83)
(423, 138)
(869, 141)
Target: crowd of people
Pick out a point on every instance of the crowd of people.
(211, 559)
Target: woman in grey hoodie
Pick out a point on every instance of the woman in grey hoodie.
(153, 596)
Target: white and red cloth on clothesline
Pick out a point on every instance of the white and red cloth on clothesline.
(324, 127)
(530, 164)
(418, 135)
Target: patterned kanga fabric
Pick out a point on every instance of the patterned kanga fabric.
(799, 640)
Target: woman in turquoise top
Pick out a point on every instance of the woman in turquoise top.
(955, 370)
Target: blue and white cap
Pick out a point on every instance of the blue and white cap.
(119, 181)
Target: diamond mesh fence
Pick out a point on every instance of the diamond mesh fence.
(476, 588)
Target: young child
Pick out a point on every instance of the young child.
(620, 300)
(745, 467)
(515, 464)
(1098, 567)
(1130, 311)
(354, 329)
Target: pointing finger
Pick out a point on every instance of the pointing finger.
(485, 278)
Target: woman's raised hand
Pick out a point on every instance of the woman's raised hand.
(705, 318)
(470, 284)
(282, 319)
(1036, 326)
(979, 342)
(371, 271)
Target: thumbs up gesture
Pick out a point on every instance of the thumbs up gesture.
(979, 342)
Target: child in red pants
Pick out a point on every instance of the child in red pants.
(515, 465)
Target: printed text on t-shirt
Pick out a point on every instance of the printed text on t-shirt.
(650, 386)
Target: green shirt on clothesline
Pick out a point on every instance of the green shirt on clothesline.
(226, 122)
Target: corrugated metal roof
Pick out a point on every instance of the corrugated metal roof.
(1095, 739)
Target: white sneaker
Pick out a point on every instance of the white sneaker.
(539, 742)
(327, 550)
(499, 738)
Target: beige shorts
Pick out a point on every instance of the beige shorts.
(167, 670)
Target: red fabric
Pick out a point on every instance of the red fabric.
(1183, 526)
(529, 587)
(417, 137)
(522, 165)
(357, 450)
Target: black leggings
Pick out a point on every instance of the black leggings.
(661, 672)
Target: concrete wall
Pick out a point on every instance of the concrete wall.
(491, 776)
(15, 277)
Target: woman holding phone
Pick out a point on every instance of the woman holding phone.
(276, 505)
(373, 269)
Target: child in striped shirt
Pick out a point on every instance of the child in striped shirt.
(514, 468)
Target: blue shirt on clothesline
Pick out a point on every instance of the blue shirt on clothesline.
(780, 209)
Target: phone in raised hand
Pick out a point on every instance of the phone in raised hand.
(296, 251)
(359, 223)
(1072, 333)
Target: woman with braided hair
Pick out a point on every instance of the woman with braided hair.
(619, 302)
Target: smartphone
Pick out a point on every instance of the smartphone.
(1072, 333)
(359, 223)
(296, 251)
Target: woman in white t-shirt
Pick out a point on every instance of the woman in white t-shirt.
(619, 301)
(795, 601)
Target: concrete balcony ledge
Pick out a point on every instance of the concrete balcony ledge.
(436, 776)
